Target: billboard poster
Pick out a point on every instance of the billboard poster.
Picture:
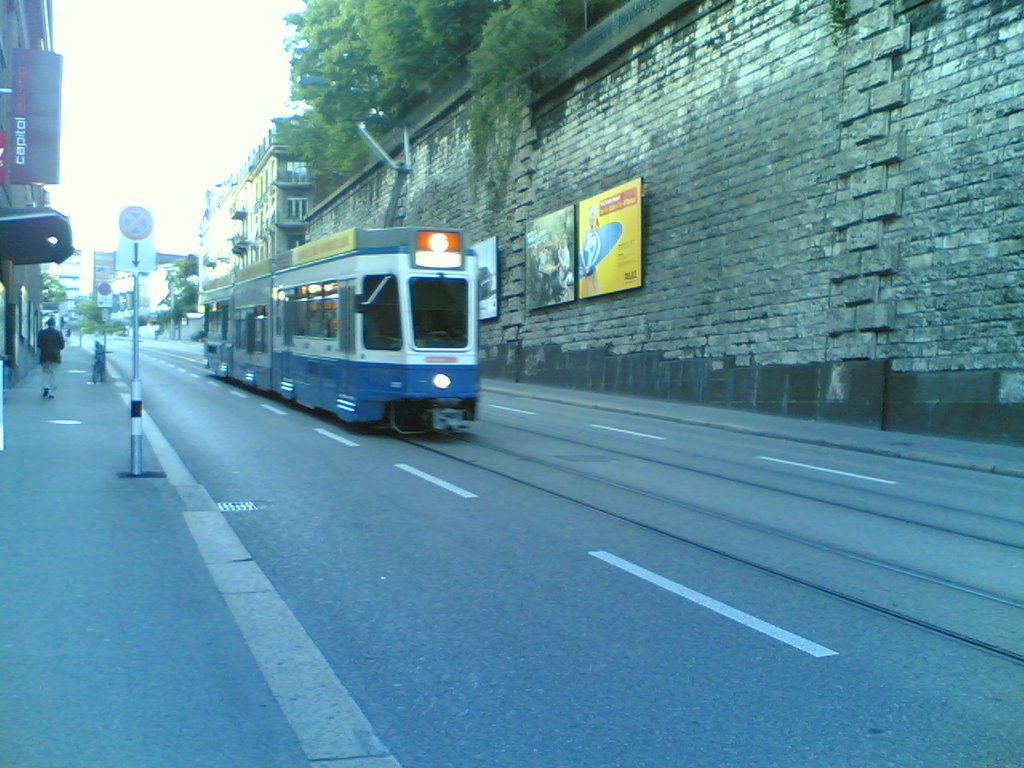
(34, 134)
(550, 244)
(610, 257)
(487, 277)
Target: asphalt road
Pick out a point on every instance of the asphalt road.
(568, 588)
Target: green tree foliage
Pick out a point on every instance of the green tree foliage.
(515, 42)
(93, 322)
(182, 291)
(332, 73)
(422, 43)
(54, 291)
(353, 59)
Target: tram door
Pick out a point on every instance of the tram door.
(347, 337)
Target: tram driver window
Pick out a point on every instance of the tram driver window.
(440, 310)
(382, 327)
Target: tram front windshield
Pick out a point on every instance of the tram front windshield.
(440, 312)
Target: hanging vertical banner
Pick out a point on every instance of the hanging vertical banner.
(610, 256)
(3, 157)
(34, 138)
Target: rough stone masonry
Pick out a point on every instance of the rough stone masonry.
(833, 218)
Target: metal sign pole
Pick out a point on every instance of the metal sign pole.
(136, 225)
(136, 380)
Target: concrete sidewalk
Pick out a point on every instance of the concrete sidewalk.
(116, 648)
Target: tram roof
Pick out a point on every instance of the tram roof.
(397, 239)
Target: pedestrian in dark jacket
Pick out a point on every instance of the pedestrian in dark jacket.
(50, 343)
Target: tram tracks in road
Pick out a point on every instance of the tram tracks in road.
(927, 587)
(1012, 610)
(1017, 525)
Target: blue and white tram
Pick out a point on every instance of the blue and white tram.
(376, 325)
(250, 327)
(217, 305)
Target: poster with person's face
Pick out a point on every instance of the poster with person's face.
(550, 271)
(610, 257)
(487, 277)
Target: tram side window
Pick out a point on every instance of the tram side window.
(346, 329)
(259, 333)
(241, 330)
(298, 307)
(315, 314)
(217, 320)
(382, 327)
(210, 321)
(280, 302)
(286, 313)
(330, 310)
(440, 311)
(312, 311)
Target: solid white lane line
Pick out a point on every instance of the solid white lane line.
(437, 481)
(513, 410)
(628, 432)
(328, 723)
(830, 471)
(273, 409)
(337, 438)
(752, 622)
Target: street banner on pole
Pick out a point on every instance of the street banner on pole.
(35, 119)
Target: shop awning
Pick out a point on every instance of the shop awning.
(34, 236)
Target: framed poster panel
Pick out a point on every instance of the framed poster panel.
(610, 256)
(487, 277)
(550, 272)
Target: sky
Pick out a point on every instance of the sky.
(160, 102)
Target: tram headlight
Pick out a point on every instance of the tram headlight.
(441, 381)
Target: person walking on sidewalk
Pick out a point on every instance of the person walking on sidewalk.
(50, 343)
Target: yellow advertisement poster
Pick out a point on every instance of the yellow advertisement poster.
(608, 234)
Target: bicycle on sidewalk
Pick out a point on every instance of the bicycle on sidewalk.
(99, 363)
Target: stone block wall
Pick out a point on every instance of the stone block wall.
(833, 218)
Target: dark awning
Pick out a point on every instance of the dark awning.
(34, 236)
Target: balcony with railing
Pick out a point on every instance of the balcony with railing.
(292, 175)
(240, 244)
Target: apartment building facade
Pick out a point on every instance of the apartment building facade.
(255, 214)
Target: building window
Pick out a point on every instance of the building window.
(296, 172)
(297, 208)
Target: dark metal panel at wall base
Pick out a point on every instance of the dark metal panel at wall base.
(956, 403)
(853, 392)
(849, 392)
